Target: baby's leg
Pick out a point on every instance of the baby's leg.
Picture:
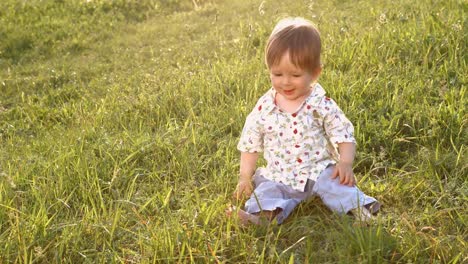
(343, 199)
(265, 216)
(269, 201)
(260, 218)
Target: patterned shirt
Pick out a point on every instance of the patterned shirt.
(297, 146)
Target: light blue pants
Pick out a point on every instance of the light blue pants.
(269, 195)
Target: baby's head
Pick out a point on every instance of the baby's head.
(300, 38)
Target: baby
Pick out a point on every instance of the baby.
(305, 137)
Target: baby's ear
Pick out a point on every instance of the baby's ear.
(316, 73)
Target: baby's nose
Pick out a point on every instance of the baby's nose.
(286, 80)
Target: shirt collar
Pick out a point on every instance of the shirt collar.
(313, 99)
(316, 96)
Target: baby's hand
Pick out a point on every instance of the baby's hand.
(345, 171)
(244, 189)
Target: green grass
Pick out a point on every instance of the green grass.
(119, 122)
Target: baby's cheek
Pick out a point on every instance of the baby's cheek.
(275, 83)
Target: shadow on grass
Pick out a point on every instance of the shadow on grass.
(313, 234)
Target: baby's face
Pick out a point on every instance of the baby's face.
(288, 80)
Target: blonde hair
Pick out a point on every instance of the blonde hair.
(300, 38)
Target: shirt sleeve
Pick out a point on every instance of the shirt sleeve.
(337, 126)
(251, 139)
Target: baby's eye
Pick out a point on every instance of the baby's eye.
(277, 74)
(297, 75)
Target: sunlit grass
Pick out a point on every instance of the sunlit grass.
(119, 122)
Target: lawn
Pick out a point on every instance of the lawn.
(119, 122)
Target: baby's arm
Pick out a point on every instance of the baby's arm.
(344, 168)
(248, 165)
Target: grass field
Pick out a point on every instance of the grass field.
(119, 122)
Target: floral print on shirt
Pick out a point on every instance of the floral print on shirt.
(297, 146)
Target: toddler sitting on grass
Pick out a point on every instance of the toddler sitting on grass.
(305, 137)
